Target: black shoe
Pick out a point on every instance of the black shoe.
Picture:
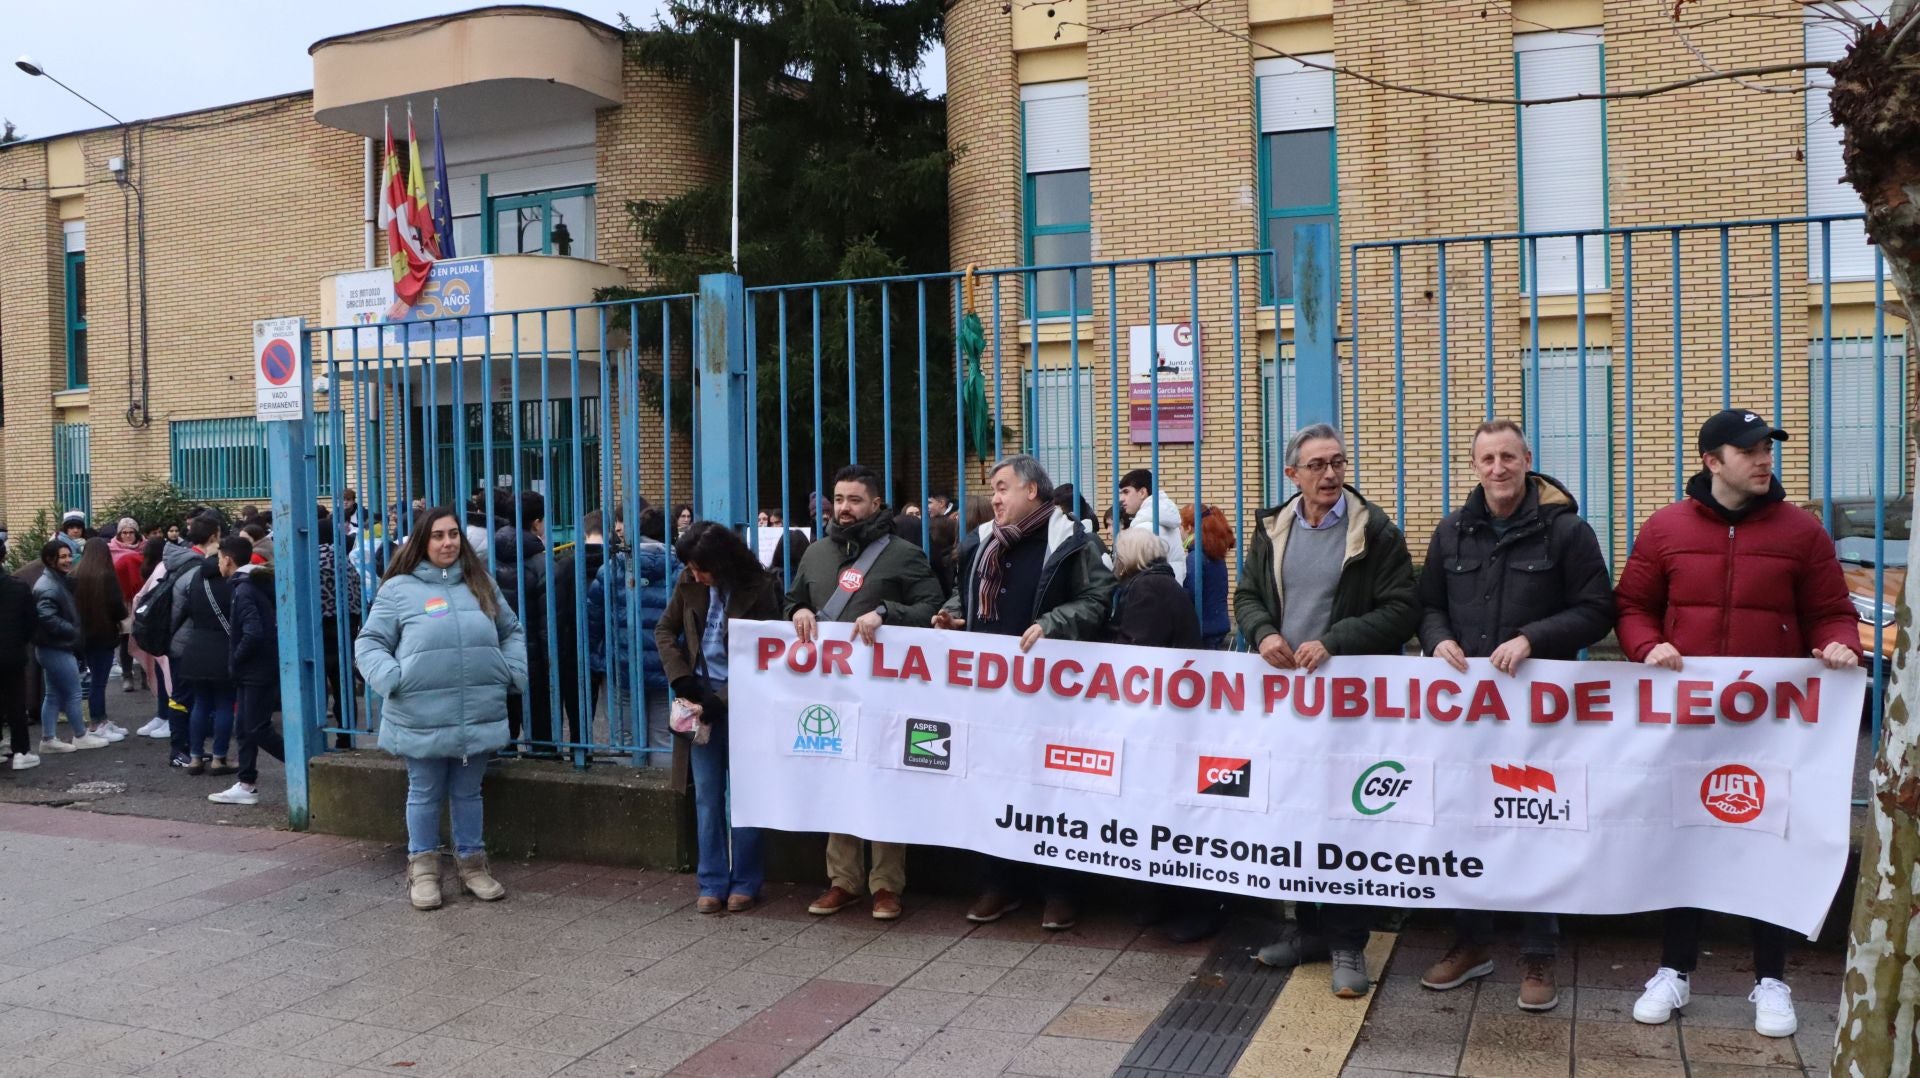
(180, 759)
(1193, 927)
(198, 766)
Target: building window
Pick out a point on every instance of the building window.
(226, 459)
(1563, 159)
(1852, 256)
(73, 467)
(1554, 426)
(1298, 180)
(1061, 437)
(1850, 432)
(1059, 195)
(556, 222)
(77, 319)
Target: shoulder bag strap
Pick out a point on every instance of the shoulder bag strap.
(842, 596)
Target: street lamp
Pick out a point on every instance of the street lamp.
(136, 408)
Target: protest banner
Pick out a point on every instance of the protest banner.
(1387, 780)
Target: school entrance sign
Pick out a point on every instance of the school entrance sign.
(1573, 788)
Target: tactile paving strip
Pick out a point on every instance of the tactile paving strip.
(1203, 1030)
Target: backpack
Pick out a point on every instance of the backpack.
(153, 618)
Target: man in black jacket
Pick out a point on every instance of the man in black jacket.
(1513, 573)
(1032, 573)
(886, 578)
(255, 663)
(16, 639)
(573, 572)
(520, 568)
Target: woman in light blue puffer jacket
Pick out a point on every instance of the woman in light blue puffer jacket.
(442, 650)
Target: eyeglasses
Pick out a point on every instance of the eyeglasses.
(1315, 467)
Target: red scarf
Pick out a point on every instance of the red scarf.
(987, 592)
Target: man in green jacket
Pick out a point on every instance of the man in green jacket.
(1327, 574)
(861, 572)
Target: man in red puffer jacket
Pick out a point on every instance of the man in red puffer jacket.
(1733, 570)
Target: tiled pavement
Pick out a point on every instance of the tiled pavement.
(131, 946)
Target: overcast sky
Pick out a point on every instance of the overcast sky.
(141, 59)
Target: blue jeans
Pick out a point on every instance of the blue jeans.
(723, 871)
(436, 780)
(61, 671)
(212, 714)
(100, 668)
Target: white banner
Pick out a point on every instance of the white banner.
(1572, 788)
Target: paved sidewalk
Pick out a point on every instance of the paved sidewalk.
(131, 946)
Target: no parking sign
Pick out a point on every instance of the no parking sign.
(277, 392)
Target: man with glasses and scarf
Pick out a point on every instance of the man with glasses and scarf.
(1327, 574)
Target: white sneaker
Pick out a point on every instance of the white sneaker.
(1773, 1008)
(90, 741)
(108, 732)
(54, 745)
(156, 727)
(237, 794)
(1666, 993)
(24, 760)
(116, 728)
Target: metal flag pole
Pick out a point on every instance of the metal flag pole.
(736, 155)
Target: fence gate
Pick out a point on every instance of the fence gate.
(738, 404)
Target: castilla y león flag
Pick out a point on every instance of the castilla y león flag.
(408, 220)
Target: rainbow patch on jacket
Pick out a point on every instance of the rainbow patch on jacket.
(438, 607)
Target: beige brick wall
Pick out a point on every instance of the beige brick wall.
(32, 332)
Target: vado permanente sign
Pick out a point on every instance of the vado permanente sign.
(1572, 787)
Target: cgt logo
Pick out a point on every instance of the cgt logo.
(1225, 776)
(1734, 793)
(1081, 761)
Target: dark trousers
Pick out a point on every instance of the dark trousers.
(13, 701)
(99, 665)
(1017, 879)
(1344, 927)
(1680, 944)
(570, 698)
(255, 722)
(533, 713)
(166, 693)
(126, 658)
(1539, 932)
(330, 649)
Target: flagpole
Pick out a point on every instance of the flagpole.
(736, 155)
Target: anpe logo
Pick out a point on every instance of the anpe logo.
(1734, 793)
(1225, 776)
(929, 745)
(1380, 787)
(1524, 778)
(819, 731)
(1084, 761)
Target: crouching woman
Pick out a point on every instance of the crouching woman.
(442, 649)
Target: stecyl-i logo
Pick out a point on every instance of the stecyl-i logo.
(819, 733)
(929, 745)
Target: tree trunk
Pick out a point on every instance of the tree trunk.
(1876, 103)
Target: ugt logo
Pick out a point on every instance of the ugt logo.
(1380, 787)
(1734, 793)
(819, 732)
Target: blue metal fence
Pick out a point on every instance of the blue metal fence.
(603, 405)
(73, 467)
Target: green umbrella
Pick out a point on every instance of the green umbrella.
(973, 389)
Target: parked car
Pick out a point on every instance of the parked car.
(1875, 607)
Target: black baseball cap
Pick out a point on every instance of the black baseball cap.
(1739, 428)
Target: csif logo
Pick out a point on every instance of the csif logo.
(1083, 761)
(1225, 776)
(1524, 778)
(1734, 793)
(1380, 787)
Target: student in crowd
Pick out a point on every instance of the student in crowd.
(520, 569)
(175, 535)
(862, 572)
(722, 581)
(1513, 573)
(96, 594)
(126, 547)
(201, 642)
(73, 532)
(573, 573)
(480, 521)
(943, 535)
(339, 618)
(153, 577)
(1155, 513)
(254, 661)
(682, 520)
(443, 650)
(18, 621)
(1327, 574)
(789, 552)
(640, 577)
(1207, 563)
(1031, 573)
(1733, 569)
(57, 641)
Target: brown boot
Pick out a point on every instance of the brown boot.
(423, 880)
(478, 881)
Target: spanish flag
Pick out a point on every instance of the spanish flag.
(406, 216)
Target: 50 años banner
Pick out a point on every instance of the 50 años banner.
(1571, 787)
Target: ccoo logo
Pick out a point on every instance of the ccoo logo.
(1734, 793)
(1225, 776)
(1085, 761)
